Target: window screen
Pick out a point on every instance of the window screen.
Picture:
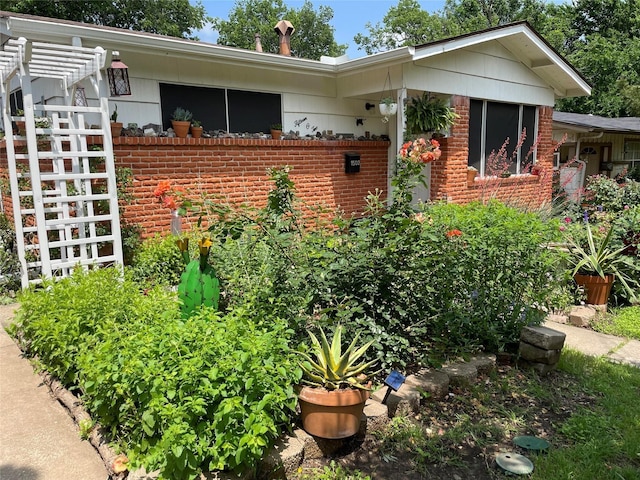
(251, 112)
(475, 134)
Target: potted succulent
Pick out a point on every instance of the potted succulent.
(116, 126)
(181, 121)
(597, 266)
(332, 403)
(388, 106)
(428, 114)
(196, 129)
(276, 131)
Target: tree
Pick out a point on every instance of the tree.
(313, 37)
(403, 25)
(176, 18)
(407, 24)
(602, 40)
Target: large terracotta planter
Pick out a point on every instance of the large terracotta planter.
(332, 413)
(596, 287)
(180, 128)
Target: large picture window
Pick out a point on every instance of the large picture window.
(222, 109)
(490, 125)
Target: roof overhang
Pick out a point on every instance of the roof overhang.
(528, 47)
(520, 39)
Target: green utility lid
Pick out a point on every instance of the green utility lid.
(514, 463)
(531, 443)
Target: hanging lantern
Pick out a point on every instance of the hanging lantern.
(80, 98)
(118, 77)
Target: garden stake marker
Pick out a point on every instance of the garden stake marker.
(393, 381)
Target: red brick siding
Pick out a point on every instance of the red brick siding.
(449, 173)
(236, 169)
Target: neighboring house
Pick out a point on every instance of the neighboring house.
(499, 81)
(607, 146)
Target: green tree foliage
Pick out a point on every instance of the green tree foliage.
(407, 24)
(601, 38)
(404, 24)
(312, 39)
(176, 18)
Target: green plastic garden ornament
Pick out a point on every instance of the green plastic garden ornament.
(198, 283)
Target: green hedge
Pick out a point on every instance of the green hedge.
(211, 392)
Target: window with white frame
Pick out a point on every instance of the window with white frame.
(490, 125)
(632, 153)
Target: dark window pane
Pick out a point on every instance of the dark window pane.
(475, 133)
(253, 111)
(501, 124)
(529, 125)
(206, 104)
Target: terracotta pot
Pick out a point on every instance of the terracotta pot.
(471, 176)
(116, 129)
(276, 134)
(181, 128)
(332, 413)
(196, 132)
(596, 287)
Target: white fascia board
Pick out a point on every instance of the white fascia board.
(390, 57)
(501, 35)
(154, 43)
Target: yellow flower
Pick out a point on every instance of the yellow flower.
(204, 244)
(183, 244)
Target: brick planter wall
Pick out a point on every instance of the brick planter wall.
(236, 169)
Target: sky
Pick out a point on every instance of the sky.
(349, 17)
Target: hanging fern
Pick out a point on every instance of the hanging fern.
(428, 114)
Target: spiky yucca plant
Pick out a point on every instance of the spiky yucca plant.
(333, 369)
(198, 283)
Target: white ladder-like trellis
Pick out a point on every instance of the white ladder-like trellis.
(63, 194)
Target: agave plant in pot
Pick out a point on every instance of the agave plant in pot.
(337, 386)
(596, 267)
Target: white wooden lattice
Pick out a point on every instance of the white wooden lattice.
(64, 195)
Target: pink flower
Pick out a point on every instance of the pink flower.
(562, 228)
(567, 219)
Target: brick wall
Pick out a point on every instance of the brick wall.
(236, 169)
(449, 174)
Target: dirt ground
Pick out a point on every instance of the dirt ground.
(459, 437)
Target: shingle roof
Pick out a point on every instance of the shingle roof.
(596, 123)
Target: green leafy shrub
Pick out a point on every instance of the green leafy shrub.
(158, 261)
(183, 395)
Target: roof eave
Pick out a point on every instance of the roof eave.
(178, 46)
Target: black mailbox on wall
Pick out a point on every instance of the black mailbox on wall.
(351, 162)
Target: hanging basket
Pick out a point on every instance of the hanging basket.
(388, 109)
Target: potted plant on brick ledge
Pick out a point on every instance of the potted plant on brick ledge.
(596, 267)
(181, 121)
(333, 402)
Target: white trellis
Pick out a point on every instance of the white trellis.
(64, 195)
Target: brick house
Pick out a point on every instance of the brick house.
(499, 81)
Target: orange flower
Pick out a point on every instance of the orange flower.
(169, 202)
(163, 187)
(454, 233)
(119, 464)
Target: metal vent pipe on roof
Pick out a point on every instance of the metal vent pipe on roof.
(258, 43)
(284, 29)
